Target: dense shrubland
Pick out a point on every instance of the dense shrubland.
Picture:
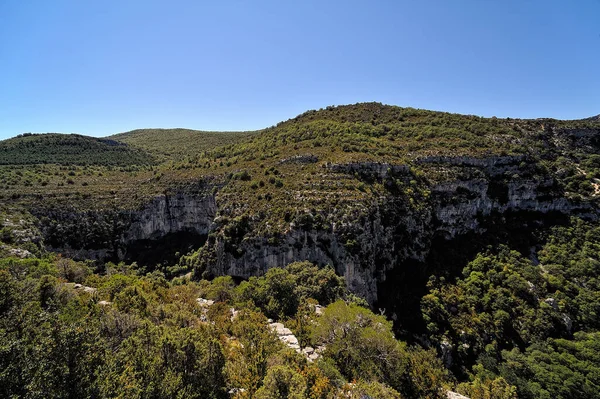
(511, 325)
(143, 336)
(533, 323)
(71, 149)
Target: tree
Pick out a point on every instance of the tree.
(361, 344)
(282, 382)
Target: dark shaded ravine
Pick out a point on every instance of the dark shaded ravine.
(400, 294)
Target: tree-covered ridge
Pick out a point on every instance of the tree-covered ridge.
(178, 144)
(513, 324)
(69, 149)
(301, 148)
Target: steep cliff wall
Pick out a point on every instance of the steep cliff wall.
(362, 247)
(167, 224)
(373, 244)
(382, 240)
(174, 213)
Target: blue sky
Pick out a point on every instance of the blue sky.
(102, 67)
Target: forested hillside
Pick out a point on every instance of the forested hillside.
(72, 149)
(178, 143)
(409, 252)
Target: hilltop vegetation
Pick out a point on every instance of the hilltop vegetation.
(500, 305)
(270, 159)
(72, 149)
(178, 144)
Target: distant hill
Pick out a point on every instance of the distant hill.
(178, 143)
(71, 149)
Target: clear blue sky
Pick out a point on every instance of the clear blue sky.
(102, 67)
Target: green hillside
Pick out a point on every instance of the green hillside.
(69, 149)
(475, 240)
(178, 143)
(366, 132)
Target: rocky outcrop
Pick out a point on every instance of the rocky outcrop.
(377, 170)
(495, 185)
(361, 246)
(365, 242)
(455, 395)
(111, 234)
(366, 246)
(171, 213)
(492, 165)
(286, 336)
(300, 159)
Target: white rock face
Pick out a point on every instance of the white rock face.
(80, 287)
(171, 214)
(454, 395)
(205, 302)
(366, 242)
(287, 337)
(392, 233)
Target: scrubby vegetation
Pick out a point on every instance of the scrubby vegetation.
(515, 323)
(180, 144)
(73, 149)
(143, 336)
(532, 323)
(290, 159)
(510, 327)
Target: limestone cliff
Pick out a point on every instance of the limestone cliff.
(370, 244)
(380, 239)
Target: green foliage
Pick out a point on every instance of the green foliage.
(248, 361)
(509, 323)
(487, 388)
(164, 362)
(494, 306)
(361, 344)
(282, 382)
(533, 326)
(69, 150)
(558, 368)
(279, 293)
(373, 389)
(427, 377)
(178, 143)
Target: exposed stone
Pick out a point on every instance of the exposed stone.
(89, 290)
(552, 302)
(172, 213)
(568, 322)
(455, 395)
(375, 169)
(16, 252)
(308, 350)
(205, 302)
(288, 338)
(390, 233)
(446, 349)
(368, 243)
